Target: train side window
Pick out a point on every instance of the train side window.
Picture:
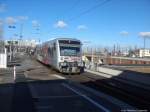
(54, 46)
(49, 51)
(52, 51)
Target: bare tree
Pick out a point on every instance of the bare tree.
(1, 29)
(1, 36)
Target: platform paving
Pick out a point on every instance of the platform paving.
(36, 89)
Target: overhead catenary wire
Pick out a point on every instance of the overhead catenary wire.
(74, 5)
(89, 10)
(69, 9)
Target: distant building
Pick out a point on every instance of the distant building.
(125, 53)
(27, 43)
(21, 43)
(11, 42)
(144, 52)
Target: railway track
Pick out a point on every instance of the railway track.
(121, 93)
(130, 94)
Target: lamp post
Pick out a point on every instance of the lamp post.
(11, 42)
(1, 36)
(92, 59)
(87, 43)
(20, 36)
(144, 46)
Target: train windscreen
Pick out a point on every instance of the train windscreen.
(69, 51)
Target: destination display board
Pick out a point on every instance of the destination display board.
(69, 42)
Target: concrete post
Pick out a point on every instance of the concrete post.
(5, 58)
(14, 73)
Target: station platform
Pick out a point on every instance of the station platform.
(66, 96)
(133, 78)
(37, 89)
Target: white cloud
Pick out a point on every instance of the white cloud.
(10, 20)
(144, 34)
(82, 27)
(124, 33)
(2, 7)
(35, 23)
(13, 20)
(60, 24)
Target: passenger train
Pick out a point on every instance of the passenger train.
(63, 54)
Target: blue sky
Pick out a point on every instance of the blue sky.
(114, 22)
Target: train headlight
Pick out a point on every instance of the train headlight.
(61, 58)
(63, 64)
(80, 64)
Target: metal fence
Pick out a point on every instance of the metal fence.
(3, 58)
(92, 66)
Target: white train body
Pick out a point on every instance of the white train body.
(63, 54)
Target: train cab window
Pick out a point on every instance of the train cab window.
(69, 51)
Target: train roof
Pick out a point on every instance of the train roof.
(65, 39)
(55, 39)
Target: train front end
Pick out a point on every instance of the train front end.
(70, 58)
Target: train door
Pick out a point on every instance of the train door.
(54, 54)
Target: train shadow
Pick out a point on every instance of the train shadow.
(129, 86)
